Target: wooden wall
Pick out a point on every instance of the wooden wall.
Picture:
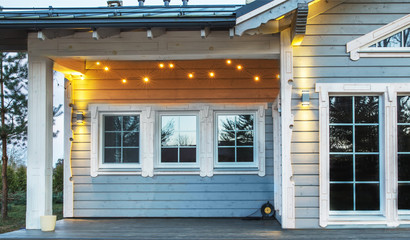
(322, 56)
(171, 195)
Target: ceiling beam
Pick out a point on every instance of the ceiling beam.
(101, 33)
(155, 32)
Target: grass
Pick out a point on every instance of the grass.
(17, 217)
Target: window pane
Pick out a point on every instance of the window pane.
(366, 109)
(226, 123)
(367, 138)
(341, 139)
(131, 155)
(393, 41)
(169, 134)
(367, 167)
(187, 139)
(112, 139)
(131, 123)
(245, 154)
(131, 139)
(340, 110)
(244, 122)
(226, 139)
(403, 109)
(112, 155)
(226, 154)
(187, 154)
(341, 167)
(187, 123)
(404, 167)
(404, 196)
(244, 138)
(112, 123)
(169, 155)
(367, 196)
(407, 37)
(404, 138)
(341, 197)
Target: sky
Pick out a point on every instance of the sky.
(59, 78)
(101, 3)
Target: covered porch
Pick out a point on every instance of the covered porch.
(194, 228)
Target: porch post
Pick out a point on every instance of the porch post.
(40, 141)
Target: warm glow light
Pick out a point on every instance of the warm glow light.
(106, 68)
(256, 78)
(146, 79)
(82, 77)
(124, 80)
(98, 63)
(278, 76)
(191, 75)
(279, 18)
(171, 65)
(212, 74)
(161, 65)
(239, 67)
(228, 61)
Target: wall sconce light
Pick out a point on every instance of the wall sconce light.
(305, 98)
(80, 117)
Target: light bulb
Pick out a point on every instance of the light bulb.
(239, 67)
(82, 77)
(98, 63)
(146, 79)
(228, 61)
(256, 78)
(171, 65)
(106, 68)
(212, 74)
(161, 65)
(124, 80)
(191, 75)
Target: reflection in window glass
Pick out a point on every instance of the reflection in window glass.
(403, 135)
(392, 41)
(178, 139)
(235, 138)
(121, 139)
(406, 37)
(354, 159)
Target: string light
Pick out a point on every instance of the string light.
(146, 79)
(171, 65)
(212, 74)
(98, 63)
(161, 65)
(106, 68)
(229, 61)
(191, 75)
(278, 76)
(239, 67)
(124, 80)
(256, 78)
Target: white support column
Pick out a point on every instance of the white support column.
(40, 141)
(277, 161)
(286, 76)
(68, 137)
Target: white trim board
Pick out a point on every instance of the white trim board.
(360, 46)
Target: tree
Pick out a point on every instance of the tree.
(56, 113)
(58, 176)
(13, 110)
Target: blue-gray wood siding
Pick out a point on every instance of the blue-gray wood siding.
(167, 195)
(322, 56)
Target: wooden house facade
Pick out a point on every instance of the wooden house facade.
(212, 111)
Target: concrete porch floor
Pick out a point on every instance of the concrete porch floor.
(194, 228)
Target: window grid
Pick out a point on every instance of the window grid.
(404, 40)
(121, 147)
(235, 147)
(354, 153)
(402, 153)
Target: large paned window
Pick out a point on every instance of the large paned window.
(354, 159)
(121, 139)
(178, 138)
(403, 135)
(236, 143)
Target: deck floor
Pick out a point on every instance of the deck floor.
(194, 228)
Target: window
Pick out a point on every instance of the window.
(178, 139)
(154, 139)
(400, 39)
(403, 135)
(235, 134)
(354, 153)
(121, 140)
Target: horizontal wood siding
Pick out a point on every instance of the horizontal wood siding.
(170, 195)
(322, 56)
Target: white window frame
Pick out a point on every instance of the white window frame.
(161, 165)
(102, 138)
(150, 145)
(235, 165)
(360, 47)
(388, 92)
